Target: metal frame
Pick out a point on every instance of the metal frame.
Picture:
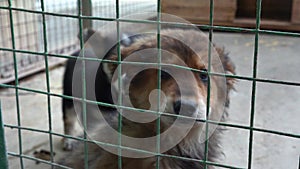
(46, 55)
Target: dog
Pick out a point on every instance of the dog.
(189, 104)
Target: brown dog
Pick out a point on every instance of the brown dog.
(188, 104)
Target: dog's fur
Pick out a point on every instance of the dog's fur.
(191, 146)
(72, 76)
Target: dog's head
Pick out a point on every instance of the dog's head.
(184, 81)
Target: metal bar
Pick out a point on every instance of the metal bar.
(211, 15)
(146, 111)
(202, 26)
(149, 111)
(143, 63)
(254, 74)
(3, 153)
(299, 162)
(120, 84)
(16, 81)
(47, 83)
(32, 69)
(163, 155)
(290, 135)
(158, 85)
(251, 127)
(83, 81)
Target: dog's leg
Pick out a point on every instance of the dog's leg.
(69, 117)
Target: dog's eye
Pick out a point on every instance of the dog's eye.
(203, 75)
(164, 75)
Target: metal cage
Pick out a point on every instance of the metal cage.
(29, 43)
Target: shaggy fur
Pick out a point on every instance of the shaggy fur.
(192, 147)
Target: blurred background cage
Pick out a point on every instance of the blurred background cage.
(28, 28)
(37, 35)
(61, 31)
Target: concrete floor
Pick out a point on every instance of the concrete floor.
(277, 106)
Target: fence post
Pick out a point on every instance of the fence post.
(3, 153)
(87, 11)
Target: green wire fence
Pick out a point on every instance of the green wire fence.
(3, 154)
(77, 15)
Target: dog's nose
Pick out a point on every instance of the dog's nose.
(185, 107)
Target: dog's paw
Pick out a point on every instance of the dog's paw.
(67, 144)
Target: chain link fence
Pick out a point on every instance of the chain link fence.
(36, 35)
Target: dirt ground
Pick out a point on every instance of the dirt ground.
(276, 106)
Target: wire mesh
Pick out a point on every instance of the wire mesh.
(3, 154)
(159, 61)
(51, 15)
(258, 13)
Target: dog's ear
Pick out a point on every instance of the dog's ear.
(110, 60)
(86, 34)
(228, 66)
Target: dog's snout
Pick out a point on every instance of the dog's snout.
(185, 107)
